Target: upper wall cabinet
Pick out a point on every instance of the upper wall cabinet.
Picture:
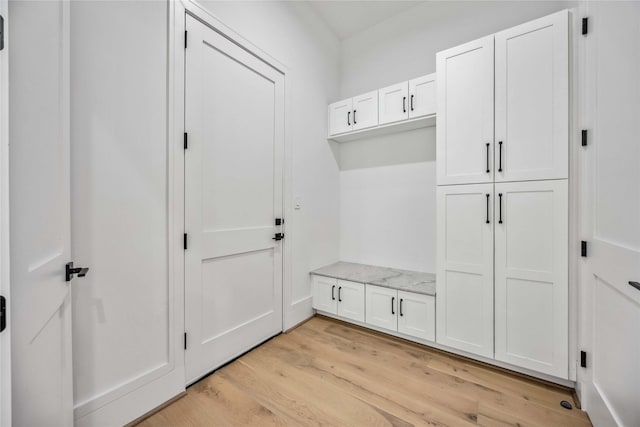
(422, 96)
(532, 100)
(355, 113)
(464, 124)
(392, 103)
(403, 106)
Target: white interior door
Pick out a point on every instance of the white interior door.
(464, 123)
(531, 275)
(422, 96)
(233, 178)
(464, 305)
(610, 305)
(5, 291)
(381, 307)
(532, 100)
(42, 391)
(393, 103)
(365, 110)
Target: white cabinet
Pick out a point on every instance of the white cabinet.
(324, 294)
(465, 267)
(351, 300)
(464, 123)
(393, 103)
(531, 275)
(365, 110)
(399, 311)
(359, 112)
(422, 96)
(340, 297)
(382, 307)
(532, 100)
(417, 315)
(340, 119)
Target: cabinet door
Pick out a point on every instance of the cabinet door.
(365, 110)
(422, 96)
(464, 298)
(393, 103)
(382, 307)
(351, 300)
(340, 117)
(532, 100)
(417, 315)
(464, 123)
(531, 276)
(325, 294)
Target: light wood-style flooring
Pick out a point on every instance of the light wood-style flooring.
(326, 372)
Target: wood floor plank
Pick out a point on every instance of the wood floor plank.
(326, 372)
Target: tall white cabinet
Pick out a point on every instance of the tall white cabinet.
(502, 200)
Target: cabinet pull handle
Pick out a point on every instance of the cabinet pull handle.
(411, 108)
(348, 118)
(333, 295)
(404, 104)
(635, 285)
(393, 300)
(488, 158)
(500, 219)
(340, 294)
(487, 208)
(401, 299)
(500, 157)
(354, 117)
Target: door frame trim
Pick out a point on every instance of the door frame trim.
(293, 312)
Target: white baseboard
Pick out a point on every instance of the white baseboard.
(297, 312)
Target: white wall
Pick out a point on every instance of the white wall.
(400, 48)
(292, 34)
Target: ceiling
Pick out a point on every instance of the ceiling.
(346, 18)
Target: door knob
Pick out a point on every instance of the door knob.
(278, 236)
(71, 271)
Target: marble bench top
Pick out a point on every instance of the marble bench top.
(403, 280)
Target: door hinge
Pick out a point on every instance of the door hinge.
(583, 248)
(3, 313)
(585, 26)
(279, 221)
(185, 39)
(1, 32)
(184, 242)
(185, 340)
(186, 142)
(583, 359)
(584, 137)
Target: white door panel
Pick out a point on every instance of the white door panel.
(422, 96)
(610, 306)
(351, 300)
(340, 119)
(40, 214)
(233, 179)
(365, 110)
(531, 275)
(464, 306)
(324, 294)
(464, 123)
(417, 315)
(532, 100)
(393, 103)
(382, 307)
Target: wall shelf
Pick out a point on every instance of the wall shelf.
(401, 126)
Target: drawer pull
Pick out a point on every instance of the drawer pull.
(333, 296)
(393, 300)
(339, 294)
(401, 299)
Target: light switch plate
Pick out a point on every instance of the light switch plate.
(297, 202)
